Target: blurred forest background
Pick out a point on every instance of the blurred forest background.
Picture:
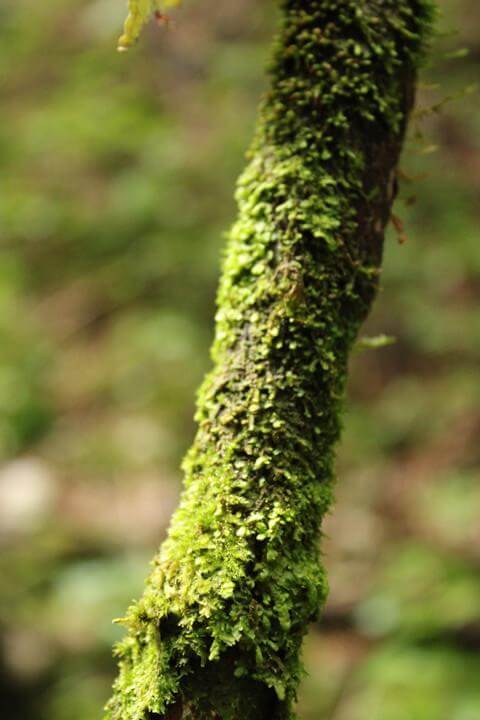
(117, 175)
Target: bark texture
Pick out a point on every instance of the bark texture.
(218, 631)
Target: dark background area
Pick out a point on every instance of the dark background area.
(117, 177)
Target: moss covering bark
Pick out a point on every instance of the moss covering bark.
(218, 631)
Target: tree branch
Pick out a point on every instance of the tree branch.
(218, 631)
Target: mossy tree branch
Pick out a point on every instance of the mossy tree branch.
(218, 631)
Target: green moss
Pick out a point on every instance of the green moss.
(139, 13)
(219, 628)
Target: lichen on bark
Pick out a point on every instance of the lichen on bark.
(218, 631)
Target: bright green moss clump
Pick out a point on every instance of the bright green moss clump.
(218, 631)
(139, 13)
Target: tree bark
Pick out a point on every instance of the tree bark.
(218, 631)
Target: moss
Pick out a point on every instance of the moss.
(219, 628)
(139, 13)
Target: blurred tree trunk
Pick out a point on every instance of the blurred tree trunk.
(218, 631)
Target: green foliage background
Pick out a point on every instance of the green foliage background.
(117, 173)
